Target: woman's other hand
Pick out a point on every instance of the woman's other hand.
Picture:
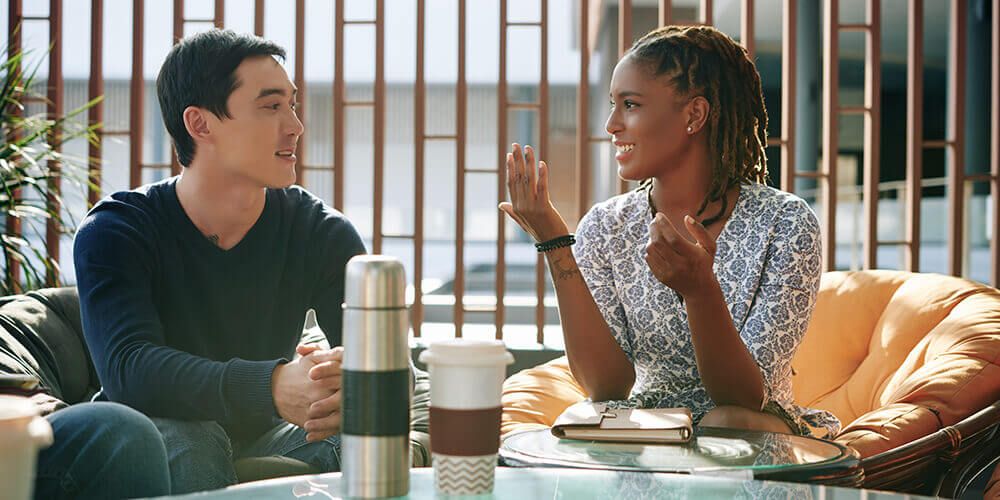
(530, 205)
(677, 262)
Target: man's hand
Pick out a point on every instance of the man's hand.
(294, 391)
(322, 415)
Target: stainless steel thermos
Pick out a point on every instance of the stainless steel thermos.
(375, 444)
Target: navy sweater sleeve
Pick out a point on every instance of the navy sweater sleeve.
(114, 265)
(341, 242)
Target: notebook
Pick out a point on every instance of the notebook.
(591, 421)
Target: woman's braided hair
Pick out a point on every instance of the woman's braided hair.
(700, 60)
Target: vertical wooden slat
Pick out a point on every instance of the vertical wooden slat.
(258, 16)
(175, 167)
(136, 92)
(220, 14)
(543, 150)
(300, 84)
(501, 269)
(14, 25)
(747, 28)
(624, 26)
(583, 171)
(956, 134)
(830, 143)
(789, 82)
(53, 231)
(873, 87)
(995, 150)
(914, 131)
(95, 89)
(419, 112)
(665, 17)
(706, 12)
(178, 20)
(460, 102)
(378, 134)
(338, 106)
(624, 42)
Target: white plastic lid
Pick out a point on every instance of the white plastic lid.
(467, 352)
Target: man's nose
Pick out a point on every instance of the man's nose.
(295, 126)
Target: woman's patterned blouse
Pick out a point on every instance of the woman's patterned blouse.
(768, 264)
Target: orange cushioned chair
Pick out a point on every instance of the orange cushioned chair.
(907, 361)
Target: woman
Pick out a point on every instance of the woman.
(695, 289)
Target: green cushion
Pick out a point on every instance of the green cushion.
(40, 335)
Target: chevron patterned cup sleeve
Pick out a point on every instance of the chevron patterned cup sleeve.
(464, 449)
(466, 382)
(464, 475)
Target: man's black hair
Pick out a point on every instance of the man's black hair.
(201, 71)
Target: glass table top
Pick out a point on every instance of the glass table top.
(713, 450)
(555, 483)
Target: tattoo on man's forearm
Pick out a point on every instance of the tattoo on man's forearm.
(564, 273)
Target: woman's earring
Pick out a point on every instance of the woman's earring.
(690, 130)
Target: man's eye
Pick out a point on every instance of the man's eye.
(612, 104)
(295, 105)
(630, 105)
(273, 107)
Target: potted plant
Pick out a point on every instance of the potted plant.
(28, 151)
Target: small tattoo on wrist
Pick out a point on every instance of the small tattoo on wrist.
(564, 273)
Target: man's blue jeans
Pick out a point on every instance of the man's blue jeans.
(102, 450)
(201, 454)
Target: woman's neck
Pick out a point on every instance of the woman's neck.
(681, 189)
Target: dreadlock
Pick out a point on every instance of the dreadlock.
(701, 60)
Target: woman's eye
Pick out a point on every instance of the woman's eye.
(630, 105)
(294, 106)
(611, 104)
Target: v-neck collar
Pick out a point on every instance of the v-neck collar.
(738, 208)
(192, 232)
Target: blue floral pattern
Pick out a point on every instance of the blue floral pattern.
(768, 263)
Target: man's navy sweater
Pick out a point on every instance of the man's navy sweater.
(179, 328)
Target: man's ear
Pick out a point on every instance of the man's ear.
(196, 123)
(697, 111)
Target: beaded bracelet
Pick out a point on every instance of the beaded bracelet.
(554, 243)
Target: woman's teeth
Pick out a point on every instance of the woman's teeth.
(626, 148)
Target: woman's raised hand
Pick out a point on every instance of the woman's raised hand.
(677, 262)
(530, 205)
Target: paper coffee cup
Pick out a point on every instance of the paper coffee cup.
(466, 381)
(22, 433)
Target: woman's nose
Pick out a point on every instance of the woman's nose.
(613, 124)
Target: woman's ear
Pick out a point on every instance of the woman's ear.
(697, 114)
(196, 123)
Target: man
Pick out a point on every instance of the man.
(193, 290)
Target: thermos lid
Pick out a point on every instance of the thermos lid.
(374, 282)
(467, 352)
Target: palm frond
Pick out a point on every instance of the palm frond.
(29, 147)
